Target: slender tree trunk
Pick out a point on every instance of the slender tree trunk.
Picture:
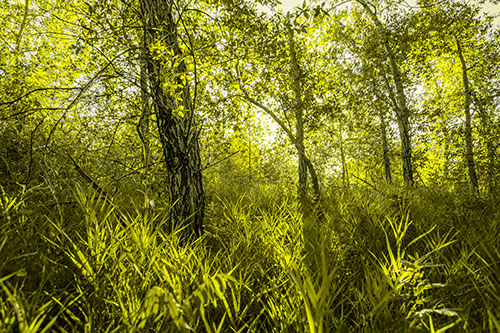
(310, 207)
(469, 154)
(295, 73)
(385, 149)
(447, 153)
(314, 180)
(345, 174)
(175, 116)
(487, 138)
(144, 120)
(302, 183)
(249, 155)
(305, 165)
(19, 36)
(403, 116)
(402, 111)
(406, 153)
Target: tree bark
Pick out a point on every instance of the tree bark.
(469, 153)
(302, 182)
(305, 160)
(447, 153)
(486, 134)
(143, 124)
(19, 36)
(345, 174)
(305, 165)
(385, 149)
(402, 111)
(295, 73)
(175, 117)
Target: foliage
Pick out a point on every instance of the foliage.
(375, 264)
(84, 187)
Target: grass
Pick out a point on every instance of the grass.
(420, 260)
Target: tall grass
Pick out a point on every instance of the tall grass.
(421, 260)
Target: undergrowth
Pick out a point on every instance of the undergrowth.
(419, 260)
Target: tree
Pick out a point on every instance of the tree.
(469, 155)
(402, 110)
(289, 91)
(455, 30)
(175, 114)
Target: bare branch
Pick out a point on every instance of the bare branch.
(37, 90)
(209, 165)
(82, 90)
(270, 112)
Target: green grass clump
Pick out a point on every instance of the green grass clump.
(420, 260)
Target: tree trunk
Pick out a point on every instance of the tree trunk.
(302, 182)
(19, 36)
(175, 116)
(345, 174)
(314, 180)
(469, 153)
(406, 153)
(295, 73)
(447, 153)
(305, 165)
(144, 119)
(385, 149)
(402, 111)
(486, 134)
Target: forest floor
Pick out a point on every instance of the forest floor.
(414, 260)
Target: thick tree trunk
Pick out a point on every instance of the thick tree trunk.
(175, 117)
(402, 111)
(469, 153)
(385, 149)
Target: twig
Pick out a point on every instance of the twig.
(367, 183)
(209, 165)
(36, 90)
(89, 179)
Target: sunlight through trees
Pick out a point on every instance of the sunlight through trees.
(249, 165)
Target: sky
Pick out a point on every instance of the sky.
(288, 5)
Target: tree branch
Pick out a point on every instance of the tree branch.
(209, 165)
(89, 179)
(36, 90)
(270, 112)
(82, 90)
